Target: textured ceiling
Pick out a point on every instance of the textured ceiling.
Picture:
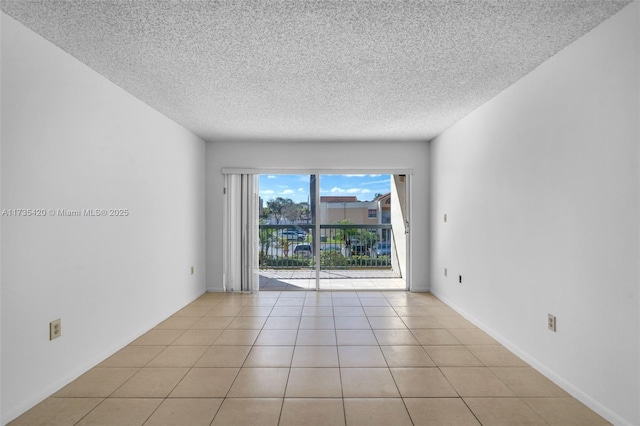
(325, 69)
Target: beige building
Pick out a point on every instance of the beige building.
(337, 209)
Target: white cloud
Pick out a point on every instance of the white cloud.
(353, 190)
(300, 189)
(354, 175)
(271, 177)
(287, 192)
(267, 192)
(336, 189)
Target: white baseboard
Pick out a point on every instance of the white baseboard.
(552, 375)
(54, 387)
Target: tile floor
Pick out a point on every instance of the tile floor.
(307, 358)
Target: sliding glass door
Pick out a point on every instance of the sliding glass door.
(333, 232)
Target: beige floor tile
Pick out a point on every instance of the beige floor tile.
(452, 320)
(440, 412)
(413, 311)
(346, 302)
(158, 337)
(317, 311)
(376, 412)
(224, 356)
(315, 356)
(314, 383)
(348, 311)
(248, 412)
(380, 351)
(564, 411)
(97, 382)
(185, 411)
(212, 323)
(255, 311)
(286, 311)
(132, 356)
(376, 311)
(503, 412)
(312, 412)
(288, 302)
(387, 323)
(525, 381)
(277, 337)
(282, 323)
(177, 323)
(318, 301)
(193, 311)
(260, 383)
(472, 336)
(422, 383)
(178, 356)
(443, 310)
(368, 383)
(57, 412)
(371, 294)
(374, 301)
(424, 322)
(228, 311)
(237, 337)
(356, 337)
(496, 356)
(247, 323)
(234, 302)
(452, 356)
(205, 383)
(262, 301)
(434, 336)
(317, 323)
(121, 412)
(316, 337)
(361, 356)
(197, 338)
(475, 381)
(395, 337)
(352, 323)
(269, 356)
(151, 383)
(406, 356)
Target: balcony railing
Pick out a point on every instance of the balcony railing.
(341, 247)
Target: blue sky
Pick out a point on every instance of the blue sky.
(296, 187)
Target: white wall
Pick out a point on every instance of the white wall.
(541, 188)
(72, 140)
(346, 155)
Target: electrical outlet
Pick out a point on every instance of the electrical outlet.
(460, 279)
(551, 322)
(193, 270)
(55, 329)
(445, 272)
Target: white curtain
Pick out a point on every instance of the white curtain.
(240, 234)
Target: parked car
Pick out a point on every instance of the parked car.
(381, 249)
(359, 249)
(292, 234)
(302, 250)
(330, 247)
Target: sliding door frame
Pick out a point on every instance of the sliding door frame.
(408, 172)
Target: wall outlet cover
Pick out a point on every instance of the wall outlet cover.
(55, 329)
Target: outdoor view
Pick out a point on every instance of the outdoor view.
(355, 235)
